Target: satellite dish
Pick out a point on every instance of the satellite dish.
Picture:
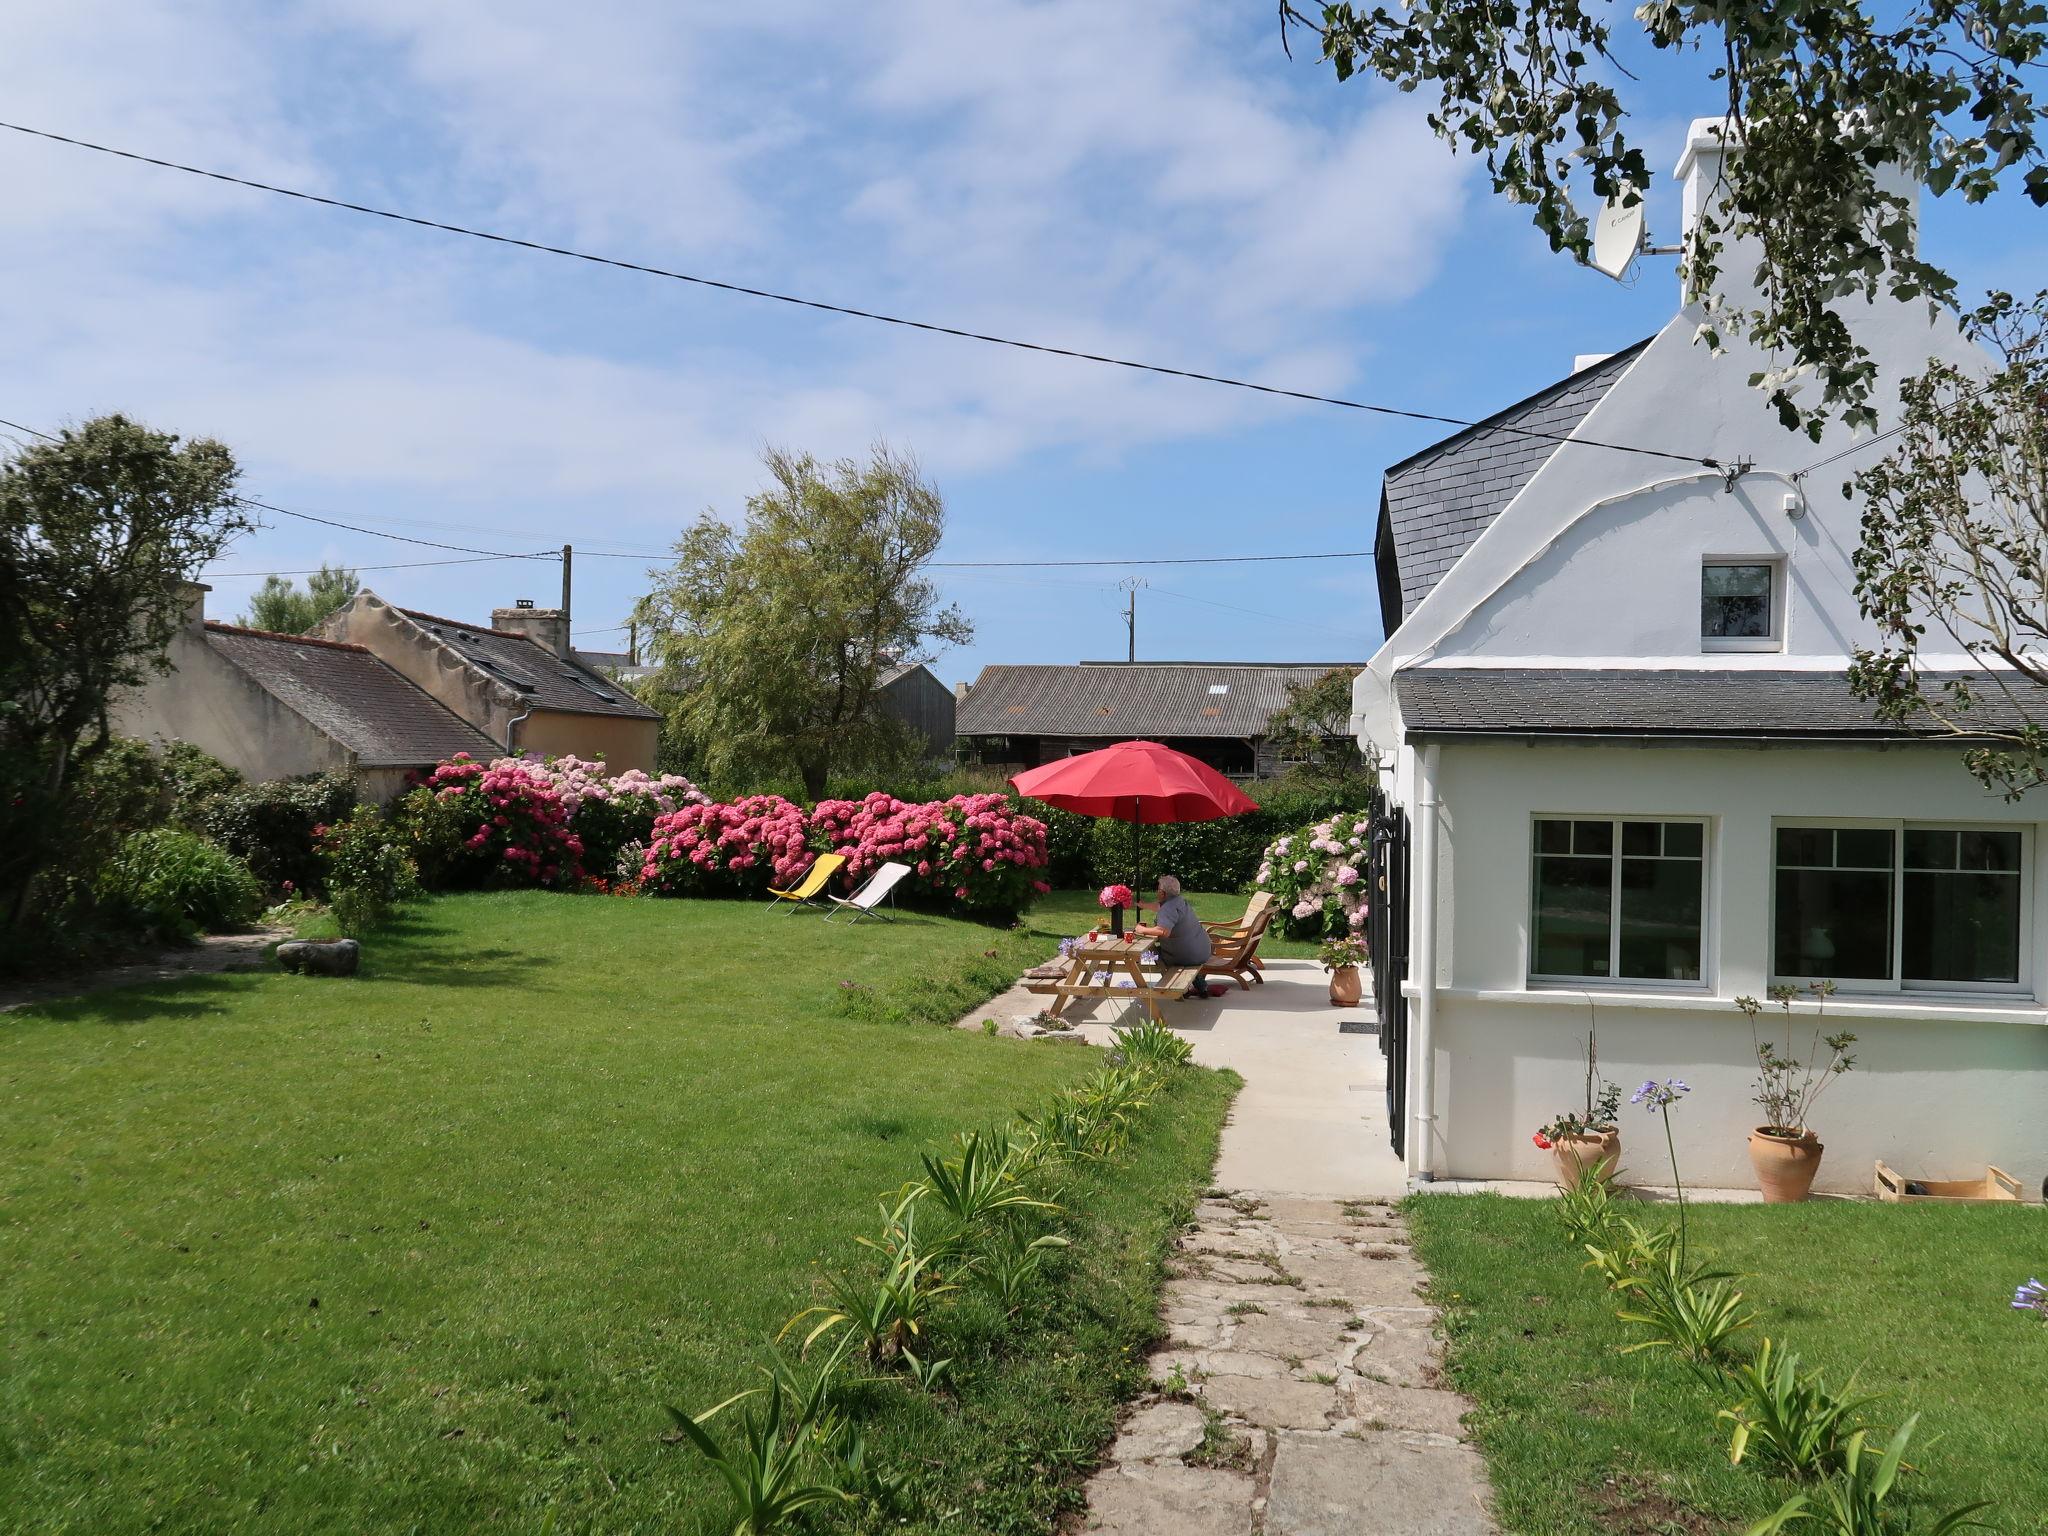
(1618, 233)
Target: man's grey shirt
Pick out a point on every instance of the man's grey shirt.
(1187, 942)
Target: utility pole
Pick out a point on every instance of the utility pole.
(568, 564)
(632, 643)
(1131, 584)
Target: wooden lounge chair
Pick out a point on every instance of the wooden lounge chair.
(1236, 949)
(805, 892)
(866, 902)
(1262, 902)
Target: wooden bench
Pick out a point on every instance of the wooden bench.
(1111, 959)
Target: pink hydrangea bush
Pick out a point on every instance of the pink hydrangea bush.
(711, 849)
(1316, 875)
(973, 851)
(499, 823)
(613, 811)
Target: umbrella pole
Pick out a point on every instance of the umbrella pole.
(1137, 850)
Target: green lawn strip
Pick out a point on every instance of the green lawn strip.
(430, 1248)
(1580, 1439)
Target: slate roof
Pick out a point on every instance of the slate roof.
(353, 697)
(1561, 701)
(1133, 700)
(537, 674)
(1437, 502)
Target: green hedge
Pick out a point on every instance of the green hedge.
(270, 825)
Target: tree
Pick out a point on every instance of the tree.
(1955, 535)
(1313, 729)
(1824, 95)
(98, 532)
(280, 607)
(770, 637)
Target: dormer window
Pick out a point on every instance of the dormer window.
(1742, 605)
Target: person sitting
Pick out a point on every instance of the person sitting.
(1182, 938)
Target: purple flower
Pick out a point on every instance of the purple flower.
(2031, 1297)
(1655, 1096)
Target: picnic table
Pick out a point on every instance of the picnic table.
(1122, 965)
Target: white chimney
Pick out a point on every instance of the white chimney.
(1700, 163)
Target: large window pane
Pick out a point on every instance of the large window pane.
(1834, 908)
(1660, 919)
(1735, 602)
(1962, 906)
(1574, 902)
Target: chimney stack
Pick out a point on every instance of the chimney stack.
(194, 595)
(547, 627)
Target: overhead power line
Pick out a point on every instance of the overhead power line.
(848, 310)
(409, 565)
(1021, 565)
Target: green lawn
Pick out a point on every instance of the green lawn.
(429, 1249)
(1582, 1440)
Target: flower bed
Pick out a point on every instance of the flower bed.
(504, 822)
(709, 849)
(1317, 876)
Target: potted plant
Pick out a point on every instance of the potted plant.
(1117, 898)
(1784, 1152)
(1342, 958)
(1588, 1138)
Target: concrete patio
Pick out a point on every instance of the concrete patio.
(1312, 1119)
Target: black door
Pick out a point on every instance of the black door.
(1386, 928)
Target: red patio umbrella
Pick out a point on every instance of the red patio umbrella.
(1136, 781)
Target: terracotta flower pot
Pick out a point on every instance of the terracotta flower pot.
(1576, 1154)
(1345, 987)
(1785, 1164)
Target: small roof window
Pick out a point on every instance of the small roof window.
(1219, 688)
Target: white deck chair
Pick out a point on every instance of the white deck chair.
(866, 902)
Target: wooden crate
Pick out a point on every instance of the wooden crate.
(1993, 1187)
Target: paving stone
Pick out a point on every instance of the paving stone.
(1162, 1431)
(1198, 1363)
(1167, 1499)
(1363, 1282)
(1277, 1402)
(1400, 1356)
(1308, 1338)
(1376, 1405)
(1387, 1483)
(1295, 1210)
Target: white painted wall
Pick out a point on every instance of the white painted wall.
(1942, 1084)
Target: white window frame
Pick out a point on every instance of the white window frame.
(1898, 985)
(1612, 983)
(1775, 640)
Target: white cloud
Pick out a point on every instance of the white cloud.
(1143, 185)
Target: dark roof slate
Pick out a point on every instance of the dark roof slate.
(1563, 701)
(1440, 500)
(1126, 700)
(532, 671)
(353, 697)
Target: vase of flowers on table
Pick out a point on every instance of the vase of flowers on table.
(1117, 899)
(1342, 958)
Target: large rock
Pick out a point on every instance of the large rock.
(340, 957)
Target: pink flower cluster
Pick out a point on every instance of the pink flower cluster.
(577, 779)
(973, 849)
(516, 820)
(1318, 875)
(706, 847)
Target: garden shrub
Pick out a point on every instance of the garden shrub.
(1316, 875)
(176, 883)
(193, 779)
(976, 851)
(270, 826)
(503, 823)
(739, 849)
(609, 812)
(368, 872)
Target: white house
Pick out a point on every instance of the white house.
(1612, 707)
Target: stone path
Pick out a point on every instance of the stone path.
(1299, 1392)
(212, 953)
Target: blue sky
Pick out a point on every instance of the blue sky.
(1154, 182)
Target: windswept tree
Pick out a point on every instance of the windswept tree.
(770, 637)
(1832, 99)
(1955, 540)
(280, 607)
(1313, 729)
(99, 530)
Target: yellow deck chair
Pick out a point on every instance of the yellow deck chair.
(805, 892)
